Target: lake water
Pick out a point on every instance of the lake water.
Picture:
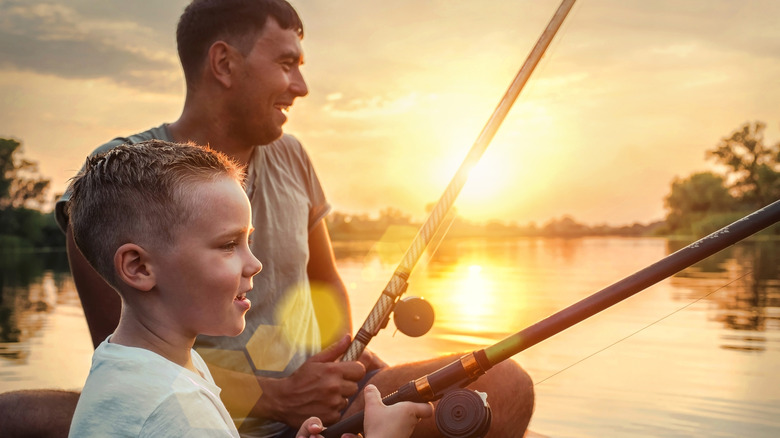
(696, 355)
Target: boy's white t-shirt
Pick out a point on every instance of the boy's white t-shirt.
(133, 392)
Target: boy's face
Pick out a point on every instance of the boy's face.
(202, 279)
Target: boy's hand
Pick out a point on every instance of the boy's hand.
(320, 387)
(312, 427)
(394, 421)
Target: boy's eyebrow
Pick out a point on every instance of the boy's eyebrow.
(237, 232)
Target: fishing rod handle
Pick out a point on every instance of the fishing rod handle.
(431, 387)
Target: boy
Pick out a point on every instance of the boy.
(180, 271)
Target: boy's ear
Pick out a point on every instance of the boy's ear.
(132, 265)
(221, 61)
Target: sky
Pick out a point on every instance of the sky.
(629, 96)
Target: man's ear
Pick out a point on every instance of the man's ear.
(132, 265)
(222, 58)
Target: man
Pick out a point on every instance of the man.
(241, 61)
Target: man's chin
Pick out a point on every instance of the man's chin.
(270, 136)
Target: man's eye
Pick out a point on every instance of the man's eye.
(230, 246)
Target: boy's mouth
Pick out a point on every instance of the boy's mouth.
(242, 301)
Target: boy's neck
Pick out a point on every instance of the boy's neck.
(133, 333)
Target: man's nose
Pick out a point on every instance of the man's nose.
(298, 85)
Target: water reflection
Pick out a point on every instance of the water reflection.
(710, 369)
(743, 285)
(29, 285)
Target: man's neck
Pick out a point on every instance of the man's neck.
(205, 130)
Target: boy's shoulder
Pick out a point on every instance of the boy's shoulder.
(133, 386)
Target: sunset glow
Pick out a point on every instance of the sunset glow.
(629, 96)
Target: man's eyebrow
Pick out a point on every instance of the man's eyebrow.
(291, 55)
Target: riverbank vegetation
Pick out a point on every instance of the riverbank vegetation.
(747, 177)
(23, 194)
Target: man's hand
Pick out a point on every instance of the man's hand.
(371, 361)
(320, 388)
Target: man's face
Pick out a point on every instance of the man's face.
(268, 81)
(202, 279)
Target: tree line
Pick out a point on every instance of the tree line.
(23, 195)
(748, 178)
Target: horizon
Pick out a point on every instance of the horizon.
(628, 97)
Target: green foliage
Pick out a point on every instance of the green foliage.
(694, 198)
(22, 193)
(706, 201)
(753, 165)
(20, 184)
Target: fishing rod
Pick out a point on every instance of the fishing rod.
(397, 285)
(470, 367)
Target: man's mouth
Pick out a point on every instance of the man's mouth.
(283, 107)
(240, 297)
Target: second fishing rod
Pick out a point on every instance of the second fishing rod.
(398, 283)
(456, 416)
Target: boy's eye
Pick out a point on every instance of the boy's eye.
(230, 246)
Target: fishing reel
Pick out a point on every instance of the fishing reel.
(463, 413)
(413, 316)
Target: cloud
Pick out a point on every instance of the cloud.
(54, 39)
(371, 106)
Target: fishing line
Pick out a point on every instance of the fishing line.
(643, 328)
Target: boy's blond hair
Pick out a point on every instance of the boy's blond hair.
(139, 194)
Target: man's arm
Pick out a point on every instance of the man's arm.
(322, 272)
(322, 269)
(100, 302)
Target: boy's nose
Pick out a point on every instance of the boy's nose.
(254, 267)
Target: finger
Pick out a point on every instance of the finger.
(332, 352)
(348, 388)
(423, 410)
(353, 371)
(311, 427)
(371, 361)
(372, 396)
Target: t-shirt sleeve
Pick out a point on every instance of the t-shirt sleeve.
(60, 208)
(319, 203)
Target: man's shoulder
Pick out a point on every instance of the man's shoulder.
(286, 142)
(286, 148)
(157, 133)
